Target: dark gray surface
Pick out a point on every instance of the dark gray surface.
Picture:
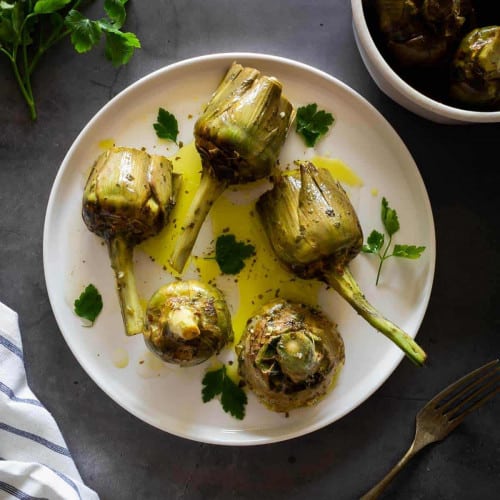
(123, 458)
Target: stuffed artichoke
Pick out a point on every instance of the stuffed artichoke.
(239, 137)
(314, 230)
(187, 322)
(289, 355)
(127, 199)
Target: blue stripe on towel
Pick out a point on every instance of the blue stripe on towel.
(7, 390)
(34, 437)
(8, 488)
(10, 346)
(67, 480)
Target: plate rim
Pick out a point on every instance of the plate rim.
(253, 439)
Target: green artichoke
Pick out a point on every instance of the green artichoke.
(239, 137)
(422, 32)
(476, 69)
(187, 322)
(314, 230)
(289, 355)
(127, 199)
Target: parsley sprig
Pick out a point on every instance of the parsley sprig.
(28, 28)
(166, 125)
(232, 397)
(375, 241)
(89, 304)
(312, 123)
(231, 254)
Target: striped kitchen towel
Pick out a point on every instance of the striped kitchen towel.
(35, 462)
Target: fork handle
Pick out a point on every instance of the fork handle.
(377, 490)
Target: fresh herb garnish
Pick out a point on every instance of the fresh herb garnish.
(231, 254)
(375, 241)
(29, 28)
(166, 125)
(232, 397)
(89, 304)
(312, 124)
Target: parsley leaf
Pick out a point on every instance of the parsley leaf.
(389, 218)
(115, 9)
(230, 254)
(166, 125)
(49, 6)
(120, 46)
(85, 34)
(212, 384)
(89, 304)
(312, 124)
(232, 397)
(375, 242)
(407, 251)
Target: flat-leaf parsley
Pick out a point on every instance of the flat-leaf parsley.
(231, 254)
(312, 124)
(375, 241)
(232, 397)
(29, 28)
(89, 304)
(166, 125)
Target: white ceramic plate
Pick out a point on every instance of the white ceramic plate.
(170, 398)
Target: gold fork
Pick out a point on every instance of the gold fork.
(444, 413)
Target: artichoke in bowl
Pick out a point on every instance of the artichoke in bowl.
(314, 230)
(289, 355)
(422, 33)
(187, 322)
(476, 69)
(239, 137)
(127, 199)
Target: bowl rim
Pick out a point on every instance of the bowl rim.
(436, 107)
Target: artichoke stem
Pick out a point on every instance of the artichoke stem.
(345, 284)
(121, 254)
(209, 190)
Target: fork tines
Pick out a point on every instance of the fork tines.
(468, 393)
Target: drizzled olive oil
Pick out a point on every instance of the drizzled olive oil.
(338, 169)
(263, 278)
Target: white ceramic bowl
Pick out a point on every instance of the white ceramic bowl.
(397, 89)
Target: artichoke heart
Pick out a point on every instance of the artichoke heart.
(289, 355)
(476, 69)
(127, 199)
(314, 230)
(187, 322)
(239, 137)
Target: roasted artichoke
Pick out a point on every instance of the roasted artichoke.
(289, 355)
(127, 199)
(314, 230)
(239, 137)
(187, 322)
(476, 69)
(422, 32)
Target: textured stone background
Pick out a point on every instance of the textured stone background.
(124, 458)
